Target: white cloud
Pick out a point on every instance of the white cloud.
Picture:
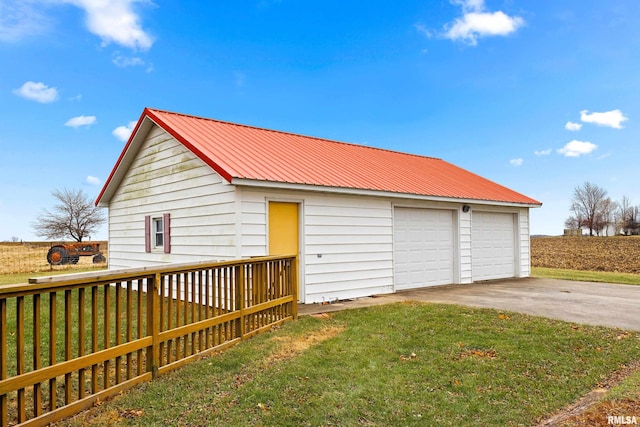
(76, 122)
(572, 126)
(93, 180)
(613, 118)
(470, 5)
(476, 23)
(39, 92)
(516, 162)
(20, 18)
(124, 132)
(577, 148)
(114, 21)
(424, 30)
(127, 61)
(543, 152)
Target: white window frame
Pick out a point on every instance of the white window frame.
(157, 232)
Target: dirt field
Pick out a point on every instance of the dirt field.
(31, 257)
(619, 254)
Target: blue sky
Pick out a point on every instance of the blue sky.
(538, 95)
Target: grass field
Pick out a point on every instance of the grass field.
(31, 257)
(587, 276)
(595, 259)
(400, 364)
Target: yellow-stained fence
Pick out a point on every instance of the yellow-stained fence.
(68, 341)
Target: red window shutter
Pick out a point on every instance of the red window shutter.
(147, 233)
(167, 232)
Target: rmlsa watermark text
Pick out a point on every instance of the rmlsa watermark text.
(621, 420)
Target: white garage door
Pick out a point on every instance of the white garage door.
(492, 245)
(423, 247)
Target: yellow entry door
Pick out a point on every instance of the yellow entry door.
(283, 228)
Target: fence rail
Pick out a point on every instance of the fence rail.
(68, 341)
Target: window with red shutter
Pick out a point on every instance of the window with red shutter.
(147, 233)
(157, 233)
(166, 229)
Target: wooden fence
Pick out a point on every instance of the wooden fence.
(68, 341)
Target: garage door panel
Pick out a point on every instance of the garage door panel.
(492, 245)
(423, 247)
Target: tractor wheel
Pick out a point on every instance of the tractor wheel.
(57, 255)
(99, 259)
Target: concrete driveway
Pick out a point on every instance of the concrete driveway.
(581, 302)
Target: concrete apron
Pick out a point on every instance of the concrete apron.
(601, 304)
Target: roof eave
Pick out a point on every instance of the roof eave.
(245, 182)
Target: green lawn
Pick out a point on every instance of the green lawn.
(587, 276)
(628, 389)
(399, 364)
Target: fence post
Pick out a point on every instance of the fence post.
(294, 287)
(239, 300)
(4, 414)
(153, 326)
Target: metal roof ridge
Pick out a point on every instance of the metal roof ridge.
(242, 125)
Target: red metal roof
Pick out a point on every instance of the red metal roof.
(244, 152)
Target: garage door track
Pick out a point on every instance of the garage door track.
(580, 302)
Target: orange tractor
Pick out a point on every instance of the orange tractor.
(70, 253)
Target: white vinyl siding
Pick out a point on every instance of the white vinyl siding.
(525, 244)
(493, 245)
(348, 247)
(464, 244)
(346, 244)
(253, 217)
(423, 247)
(349, 244)
(165, 177)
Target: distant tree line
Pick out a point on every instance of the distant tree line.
(592, 209)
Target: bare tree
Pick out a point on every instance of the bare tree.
(587, 205)
(632, 220)
(624, 215)
(628, 217)
(604, 217)
(75, 217)
(573, 222)
(621, 214)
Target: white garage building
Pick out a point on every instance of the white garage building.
(362, 220)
